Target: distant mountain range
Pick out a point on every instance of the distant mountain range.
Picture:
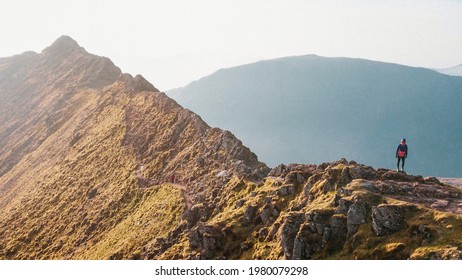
(452, 71)
(316, 109)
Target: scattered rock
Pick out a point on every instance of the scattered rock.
(279, 171)
(195, 240)
(295, 177)
(92, 193)
(209, 239)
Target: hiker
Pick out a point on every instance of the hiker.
(401, 154)
(172, 178)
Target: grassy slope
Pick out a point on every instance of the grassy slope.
(83, 195)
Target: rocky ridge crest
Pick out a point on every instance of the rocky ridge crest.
(85, 149)
(97, 164)
(339, 210)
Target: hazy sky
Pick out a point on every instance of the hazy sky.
(173, 42)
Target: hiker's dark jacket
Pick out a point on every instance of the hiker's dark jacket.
(403, 149)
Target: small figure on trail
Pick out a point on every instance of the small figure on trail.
(401, 154)
(172, 178)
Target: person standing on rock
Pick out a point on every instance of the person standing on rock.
(401, 154)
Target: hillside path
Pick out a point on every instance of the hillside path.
(185, 192)
(145, 183)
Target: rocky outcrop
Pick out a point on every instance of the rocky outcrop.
(361, 206)
(342, 208)
(269, 214)
(289, 231)
(357, 215)
(388, 219)
(136, 84)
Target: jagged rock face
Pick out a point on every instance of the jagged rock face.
(99, 164)
(341, 209)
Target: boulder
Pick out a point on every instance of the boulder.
(195, 239)
(306, 244)
(286, 190)
(240, 203)
(344, 177)
(338, 226)
(310, 183)
(362, 172)
(278, 171)
(432, 180)
(291, 225)
(269, 214)
(249, 215)
(295, 177)
(356, 216)
(274, 229)
(387, 219)
(191, 216)
(263, 234)
(343, 206)
(213, 241)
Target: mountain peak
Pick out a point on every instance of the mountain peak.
(63, 44)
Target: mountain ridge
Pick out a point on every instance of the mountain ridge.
(307, 57)
(85, 149)
(97, 164)
(452, 71)
(314, 106)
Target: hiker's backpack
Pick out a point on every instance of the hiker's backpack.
(401, 153)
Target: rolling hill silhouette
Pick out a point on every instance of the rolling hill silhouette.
(316, 109)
